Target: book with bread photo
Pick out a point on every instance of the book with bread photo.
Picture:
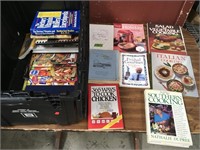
(173, 72)
(129, 38)
(166, 119)
(166, 39)
(104, 107)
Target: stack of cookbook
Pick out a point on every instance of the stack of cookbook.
(172, 79)
(54, 41)
(122, 46)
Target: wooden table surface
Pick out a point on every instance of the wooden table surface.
(132, 101)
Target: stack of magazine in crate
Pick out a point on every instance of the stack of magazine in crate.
(53, 40)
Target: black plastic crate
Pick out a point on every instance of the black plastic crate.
(39, 107)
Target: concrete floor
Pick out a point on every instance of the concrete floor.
(80, 140)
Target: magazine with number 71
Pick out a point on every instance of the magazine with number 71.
(166, 119)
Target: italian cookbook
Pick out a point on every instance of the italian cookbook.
(173, 73)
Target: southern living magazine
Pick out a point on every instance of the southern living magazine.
(166, 39)
(104, 107)
(173, 73)
(166, 119)
(129, 38)
(101, 36)
(134, 70)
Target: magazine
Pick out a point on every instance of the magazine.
(134, 70)
(129, 38)
(61, 36)
(27, 47)
(103, 65)
(56, 22)
(166, 39)
(104, 107)
(173, 72)
(101, 36)
(53, 69)
(62, 48)
(166, 119)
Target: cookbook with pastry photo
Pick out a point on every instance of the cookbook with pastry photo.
(129, 38)
(165, 39)
(173, 72)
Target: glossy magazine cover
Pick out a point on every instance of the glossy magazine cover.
(56, 22)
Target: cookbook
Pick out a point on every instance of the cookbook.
(103, 65)
(166, 39)
(173, 72)
(134, 70)
(166, 119)
(129, 38)
(104, 107)
(101, 36)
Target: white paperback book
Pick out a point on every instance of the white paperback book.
(101, 36)
(166, 119)
(134, 70)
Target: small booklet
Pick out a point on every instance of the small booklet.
(101, 36)
(166, 119)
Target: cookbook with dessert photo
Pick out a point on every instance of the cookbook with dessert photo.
(173, 72)
(129, 38)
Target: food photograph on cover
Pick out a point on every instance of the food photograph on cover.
(166, 38)
(129, 38)
(53, 69)
(161, 119)
(173, 73)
